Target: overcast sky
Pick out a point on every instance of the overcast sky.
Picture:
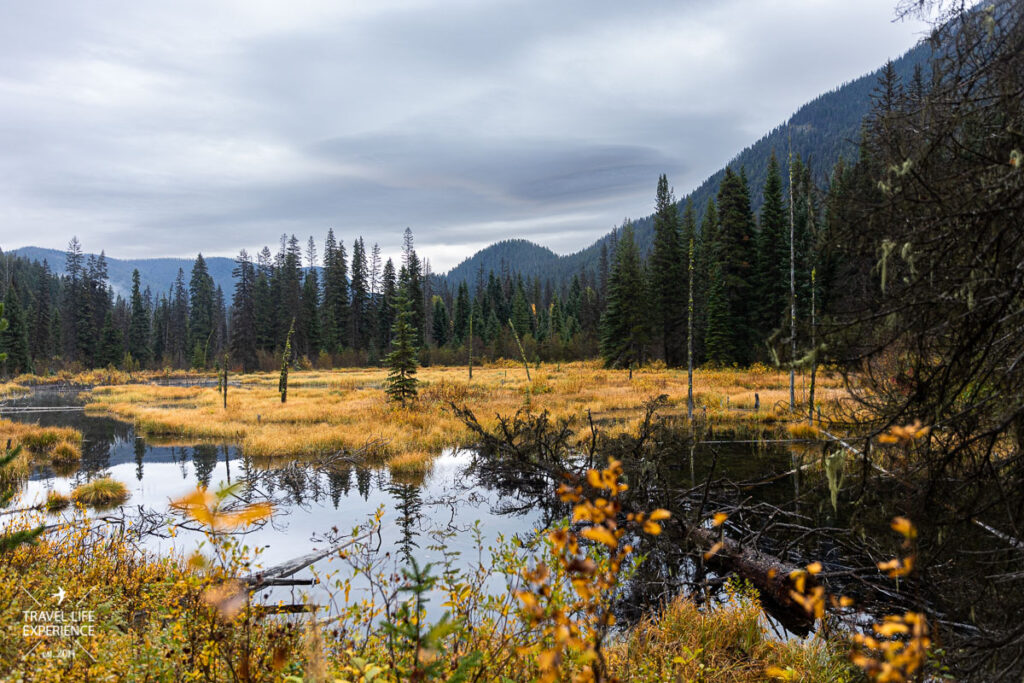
(167, 128)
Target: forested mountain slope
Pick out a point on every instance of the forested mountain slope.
(822, 131)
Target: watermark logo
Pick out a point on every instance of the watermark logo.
(61, 627)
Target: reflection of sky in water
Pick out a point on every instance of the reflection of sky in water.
(308, 503)
(169, 473)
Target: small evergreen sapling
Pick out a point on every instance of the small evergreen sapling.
(402, 362)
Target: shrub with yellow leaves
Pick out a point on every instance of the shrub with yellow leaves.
(898, 646)
(570, 603)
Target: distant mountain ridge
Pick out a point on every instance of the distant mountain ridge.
(156, 273)
(822, 131)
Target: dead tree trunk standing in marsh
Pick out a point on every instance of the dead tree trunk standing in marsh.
(526, 363)
(792, 285)
(689, 340)
(814, 353)
(282, 384)
(469, 346)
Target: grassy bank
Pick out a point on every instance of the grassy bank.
(347, 409)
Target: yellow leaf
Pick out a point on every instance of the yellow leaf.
(659, 515)
(713, 551)
(891, 628)
(814, 568)
(719, 519)
(601, 535)
(904, 526)
(652, 528)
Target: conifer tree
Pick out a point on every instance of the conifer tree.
(200, 312)
(623, 326)
(719, 337)
(772, 254)
(522, 318)
(263, 302)
(402, 361)
(412, 283)
(138, 330)
(359, 298)
(667, 274)
(735, 253)
(243, 313)
(386, 310)
(463, 311)
(439, 324)
(41, 335)
(312, 333)
(14, 337)
(111, 347)
(336, 323)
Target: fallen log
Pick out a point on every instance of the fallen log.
(261, 611)
(768, 574)
(273, 575)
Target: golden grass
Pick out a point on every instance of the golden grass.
(347, 410)
(103, 376)
(56, 501)
(66, 452)
(723, 643)
(803, 430)
(10, 390)
(101, 493)
(61, 444)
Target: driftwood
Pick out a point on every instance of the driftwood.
(261, 611)
(278, 574)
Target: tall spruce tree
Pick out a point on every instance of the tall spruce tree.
(243, 313)
(463, 311)
(772, 254)
(359, 298)
(336, 301)
(735, 254)
(41, 337)
(310, 316)
(200, 312)
(14, 337)
(668, 275)
(139, 329)
(439, 323)
(386, 310)
(412, 283)
(111, 347)
(624, 324)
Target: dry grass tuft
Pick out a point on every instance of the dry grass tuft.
(685, 642)
(803, 430)
(101, 493)
(56, 501)
(66, 452)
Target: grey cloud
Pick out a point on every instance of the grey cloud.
(166, 129)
